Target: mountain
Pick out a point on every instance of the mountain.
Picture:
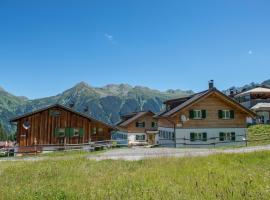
(106, 103)
(247, 86)
(8, 106)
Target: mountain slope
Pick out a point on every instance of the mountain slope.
(8, 107)
(107, 103)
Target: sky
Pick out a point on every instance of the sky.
(47, 46)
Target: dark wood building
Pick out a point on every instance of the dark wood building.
(58, 124)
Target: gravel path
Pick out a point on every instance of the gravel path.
(139, 153)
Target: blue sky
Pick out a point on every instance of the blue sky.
(47, 46)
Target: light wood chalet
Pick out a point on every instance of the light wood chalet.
(58, 124)
(140, 128)
(208, 118)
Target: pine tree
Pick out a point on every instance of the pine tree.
(3, 135)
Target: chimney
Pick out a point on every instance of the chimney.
(211, 84)
(231, 92)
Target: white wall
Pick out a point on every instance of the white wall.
(166, 142)
(211, 133)
(132, 138)
(183, 137)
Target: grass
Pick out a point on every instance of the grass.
(239, 176)
(259, 132)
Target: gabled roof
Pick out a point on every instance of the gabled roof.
(260, 89)
(199, 96)
(59, 106)
(261, 106)
(135, 117)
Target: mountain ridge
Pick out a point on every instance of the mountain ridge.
(105, 103)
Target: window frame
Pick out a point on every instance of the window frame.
(140, 138)
(198, 136)
(197, 114)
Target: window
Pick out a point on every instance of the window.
(226, 114)
(55, 113)
(60, 132)
(228, 136)
(140, 137)
(198, 137)
(154, 124)
(100, 130)
(166, 135)
(140, 124)
(76, 132)
(94, 131)
(197, 114)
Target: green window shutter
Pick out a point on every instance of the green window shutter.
(232, 114)
(203, 114)
(191, 114)
(143, 124)
(137, 124)
(71, 132)
(153, 124)
(81, 132)
(204, 136)
(221, 136)
(192, 137)
(233, 136)
(220, 114)
(67, 132)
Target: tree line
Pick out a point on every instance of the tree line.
(4, 135)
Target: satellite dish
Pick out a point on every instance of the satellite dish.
(183, 118)
(26, 125)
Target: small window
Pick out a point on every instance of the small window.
(100, 130)
(154, 124)
(227, 136)
(76, 132)
(60, 132)
(197, 114)
(140, 124)
(198, 137)
(140, 137)
(226, 114)
(55, 113)
(94, 131)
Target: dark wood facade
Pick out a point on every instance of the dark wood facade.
(42, 127)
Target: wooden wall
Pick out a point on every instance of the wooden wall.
(211, 104)
(148, 119)
(43, 125)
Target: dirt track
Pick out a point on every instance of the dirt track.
(144, 153)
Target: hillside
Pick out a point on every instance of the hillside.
(8, 106)
(106, 103)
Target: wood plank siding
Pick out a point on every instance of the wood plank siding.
(43, 125)
(212, 104)
(148, 119)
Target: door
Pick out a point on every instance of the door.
(151, 139)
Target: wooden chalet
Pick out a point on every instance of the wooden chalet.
(139, 128)
(58, 125)
(207, 118)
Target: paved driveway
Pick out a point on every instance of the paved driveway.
(139, 153)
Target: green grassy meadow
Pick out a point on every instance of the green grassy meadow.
(239, 176)
(260, 133)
